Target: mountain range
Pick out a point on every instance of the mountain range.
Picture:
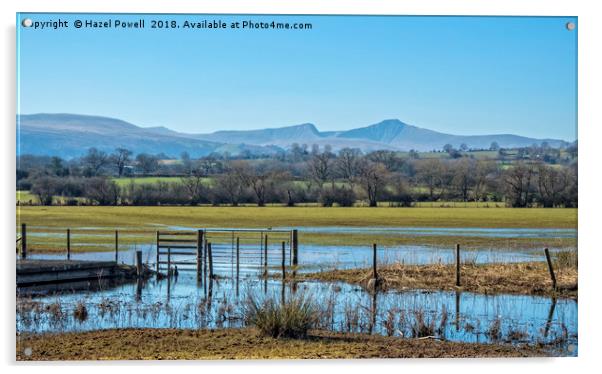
(70, 135)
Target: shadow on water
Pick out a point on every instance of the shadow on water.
(183, 301)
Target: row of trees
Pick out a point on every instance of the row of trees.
(327, 179)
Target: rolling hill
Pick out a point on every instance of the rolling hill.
(70, 135)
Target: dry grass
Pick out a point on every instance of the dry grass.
(162, 344)
(530, 278)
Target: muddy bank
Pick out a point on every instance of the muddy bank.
(175, 344)
(530, 278)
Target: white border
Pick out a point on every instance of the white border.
(590, 181)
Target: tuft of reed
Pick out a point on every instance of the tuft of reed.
(495, 329)
(292, 318)
(422, 327)
(80, 313)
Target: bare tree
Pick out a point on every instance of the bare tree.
(481, 177)
(120, 158)
(347, 164)
(551, 184)
(430, 172)
(95, 160)
(147, 163)
(463, 176)
(519, 183)
(373, 178)
(319, 167)
(193, 184)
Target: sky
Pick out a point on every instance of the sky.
(459, 75)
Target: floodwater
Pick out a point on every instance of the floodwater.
(312, 257)
(442, 231)
(181, 302)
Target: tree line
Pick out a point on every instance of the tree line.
(525, 177)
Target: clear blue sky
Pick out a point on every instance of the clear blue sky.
(461, 75)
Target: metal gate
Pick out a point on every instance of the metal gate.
(228, 252)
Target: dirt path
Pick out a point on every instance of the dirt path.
(163, 344)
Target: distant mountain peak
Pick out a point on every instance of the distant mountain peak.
(384, 131)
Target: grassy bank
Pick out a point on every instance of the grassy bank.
(73, 216)
(162, 344)
(521, 278)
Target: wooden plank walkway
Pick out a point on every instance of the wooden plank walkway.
(33, 272)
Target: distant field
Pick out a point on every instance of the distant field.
(65, 216)
(146, 180)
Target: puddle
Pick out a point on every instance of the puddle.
(182, 303)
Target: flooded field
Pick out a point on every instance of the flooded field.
(319, 257)
(181, 302)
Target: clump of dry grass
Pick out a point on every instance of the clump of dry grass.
(289, 319)
(422, 326)
(55, 310)
(80, 313)
(495, 330)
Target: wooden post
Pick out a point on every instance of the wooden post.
(68, 244)
(550, 268)
(199, 253)
(205, 259)
(265, 256)
(295, 250)
(237, 260)
(139, 263)
(374, 271)
(23, 241)
(210, 254)
(458, 265)
(168, 262)
(283, 260)
(116, 246)
(260, 248)
(157, 251)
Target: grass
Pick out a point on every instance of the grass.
(138, 225)
(292, 318)
(171, 344)
(123, 216)
(519, 278)
(124, 182)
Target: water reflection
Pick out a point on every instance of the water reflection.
(180, 302)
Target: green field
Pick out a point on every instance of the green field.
(139, 224)
(123, 182)
(125, 216)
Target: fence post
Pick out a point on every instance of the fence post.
(374, 271)
(157, 252)
(283, 260)
(550, 268)
(168, 262)
(116, 246)
(199, 249)
(210, 254)
(139, 263)
(68, 244)
(265, 256)
(295, 248)
(23, 241)
(237, 261)
(458, 265)
(205, 251)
